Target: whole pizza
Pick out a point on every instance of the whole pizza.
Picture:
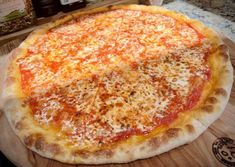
(116, 84)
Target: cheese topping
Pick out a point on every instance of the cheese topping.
(105, 77)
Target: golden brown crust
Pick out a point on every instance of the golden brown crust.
(224, 52)
(42, 145)
(172, 132)
(19, 125)
(220, 91)
(185, 129)
(79, 153)
(190, 128)
(105, 153)
(223, 79)
(155, 142)
(207, 108)
(212, 100)
(28, 140)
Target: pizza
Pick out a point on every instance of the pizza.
(115, 84)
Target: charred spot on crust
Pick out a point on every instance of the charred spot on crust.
(172, 132)
(40, 143)
(29, 140)
(225, 56)
(82, 154)
(19, 125)
(1, 113)
(208, 108)
(110, 7)
(221, 91)
(105, 153)
(190, 128)
(155, 142)
(63, 17)
(224, 52)
(23, 105)
(53, 148)
(223, 47)
(212, 100)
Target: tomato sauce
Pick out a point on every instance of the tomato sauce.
(176, 106)
(194, 97)
(200, 35)
(26, 77)
(54, 66)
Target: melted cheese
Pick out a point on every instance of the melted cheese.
(110, 73)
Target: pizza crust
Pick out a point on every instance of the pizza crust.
(178, 133)
(172, 137)
(218, 98)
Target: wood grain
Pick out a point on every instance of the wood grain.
(198, 153)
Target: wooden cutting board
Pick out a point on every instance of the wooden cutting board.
(197, 153)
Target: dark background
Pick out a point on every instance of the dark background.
(4, 162)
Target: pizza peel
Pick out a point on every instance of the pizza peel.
(215, 147)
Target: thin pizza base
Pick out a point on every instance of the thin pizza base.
(187, 127)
